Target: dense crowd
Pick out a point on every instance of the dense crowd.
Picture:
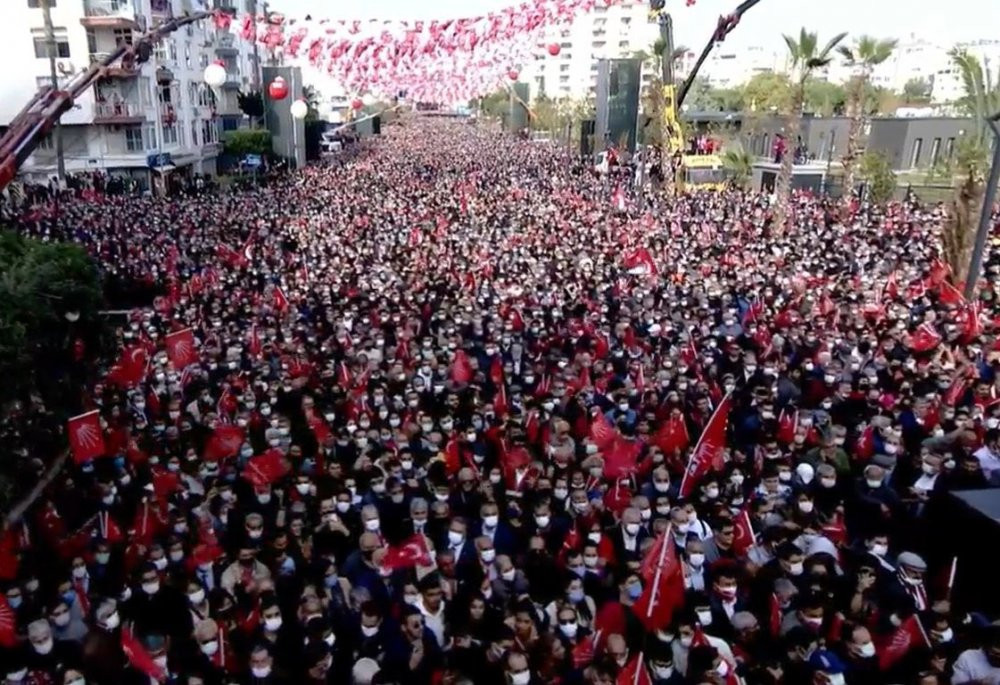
(438, 418)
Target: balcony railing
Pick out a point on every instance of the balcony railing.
(226, 45)
(120, 69)
(108, 8)
(118, 112)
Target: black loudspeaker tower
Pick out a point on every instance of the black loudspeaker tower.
(587, 127)
(377, 125)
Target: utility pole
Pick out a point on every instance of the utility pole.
(50, 46)
(256, 52)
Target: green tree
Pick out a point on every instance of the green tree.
(980, 100)
(251, 103)
(877, 173)
(50, 297)
(768, 92)
(806, 56)
(313, 99)
(824, 98)
(739, 163)
(866, 54)
(247, 142)
(917, 91)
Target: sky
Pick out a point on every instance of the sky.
(940, 22)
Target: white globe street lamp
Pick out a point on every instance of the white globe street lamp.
(215, 74)
(299, 109)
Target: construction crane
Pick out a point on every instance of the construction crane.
(34, 122)
(677, 167)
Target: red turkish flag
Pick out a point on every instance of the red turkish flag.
(707, 454)
(634, 673)
(673, 436)
(647, 570)
(181, 348)
(950, 295)
(224, 442)
(743, 535)
(664, 593)
(254, 347)
(640, 262)
(774, 618)
(86, 437)
(496, 370)
(412, 552)
(461, 368)
(908, 634)
(925, 338)
(139, 657)
(500, 401)
(280, 301)
(620, 458)
(131, 366)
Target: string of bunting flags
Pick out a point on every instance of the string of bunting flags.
(432, 61)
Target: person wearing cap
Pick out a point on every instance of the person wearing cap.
(827, 668)
(904, 591)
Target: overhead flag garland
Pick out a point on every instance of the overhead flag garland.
(431, 61)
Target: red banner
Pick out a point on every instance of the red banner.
(181, 348)
(86, 437)
(708, 453)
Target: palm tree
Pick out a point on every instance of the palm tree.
(863, 57)
(805, 57)
(739, 163)
(980, 100)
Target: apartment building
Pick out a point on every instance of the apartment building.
(141, 120)
(603, 33)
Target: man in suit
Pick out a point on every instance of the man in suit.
(498, 531)
(628, 537)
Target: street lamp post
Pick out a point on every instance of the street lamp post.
(50, 48)
(986, 216)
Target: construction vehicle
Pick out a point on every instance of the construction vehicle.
(681, 170)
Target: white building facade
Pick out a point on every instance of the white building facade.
(613, 32)
(142, 120)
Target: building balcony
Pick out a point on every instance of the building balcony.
(164, 75)
(109, 14)
(116, 70)
(226, 46)
(118, 113)
(211, 149)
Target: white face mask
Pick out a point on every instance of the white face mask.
(867, 649)
(272, 624)
(806, 506)
(705, 617)
(210, 648)
(261, 671)
(488, 555)
(197, 596)
(455, 538)
(697, 559)
(632, 528)
(522, 678)
(112, 621)
(541, 521)
(44, 648)
(569, 629)
(151, 588)
(880, 550)
(663, 672)
(796, 568)
(372, 525)
(369, 631)
(491, 521)
(838, 678)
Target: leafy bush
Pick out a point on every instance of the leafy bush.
(878, 176)
(247, 142)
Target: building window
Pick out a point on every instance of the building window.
(915, 155)
(209, 131)
(37, 4)
(41, 48)
(564, 79)
(133, 139)
(91, 41)
(194, 134)
(935, 151)
(170, 135)
(949, 149)
(151, 138)
(123, 37)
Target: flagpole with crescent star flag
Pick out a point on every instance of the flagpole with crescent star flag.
(724, 403)
(667, 540)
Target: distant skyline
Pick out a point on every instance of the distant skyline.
(762, 26)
